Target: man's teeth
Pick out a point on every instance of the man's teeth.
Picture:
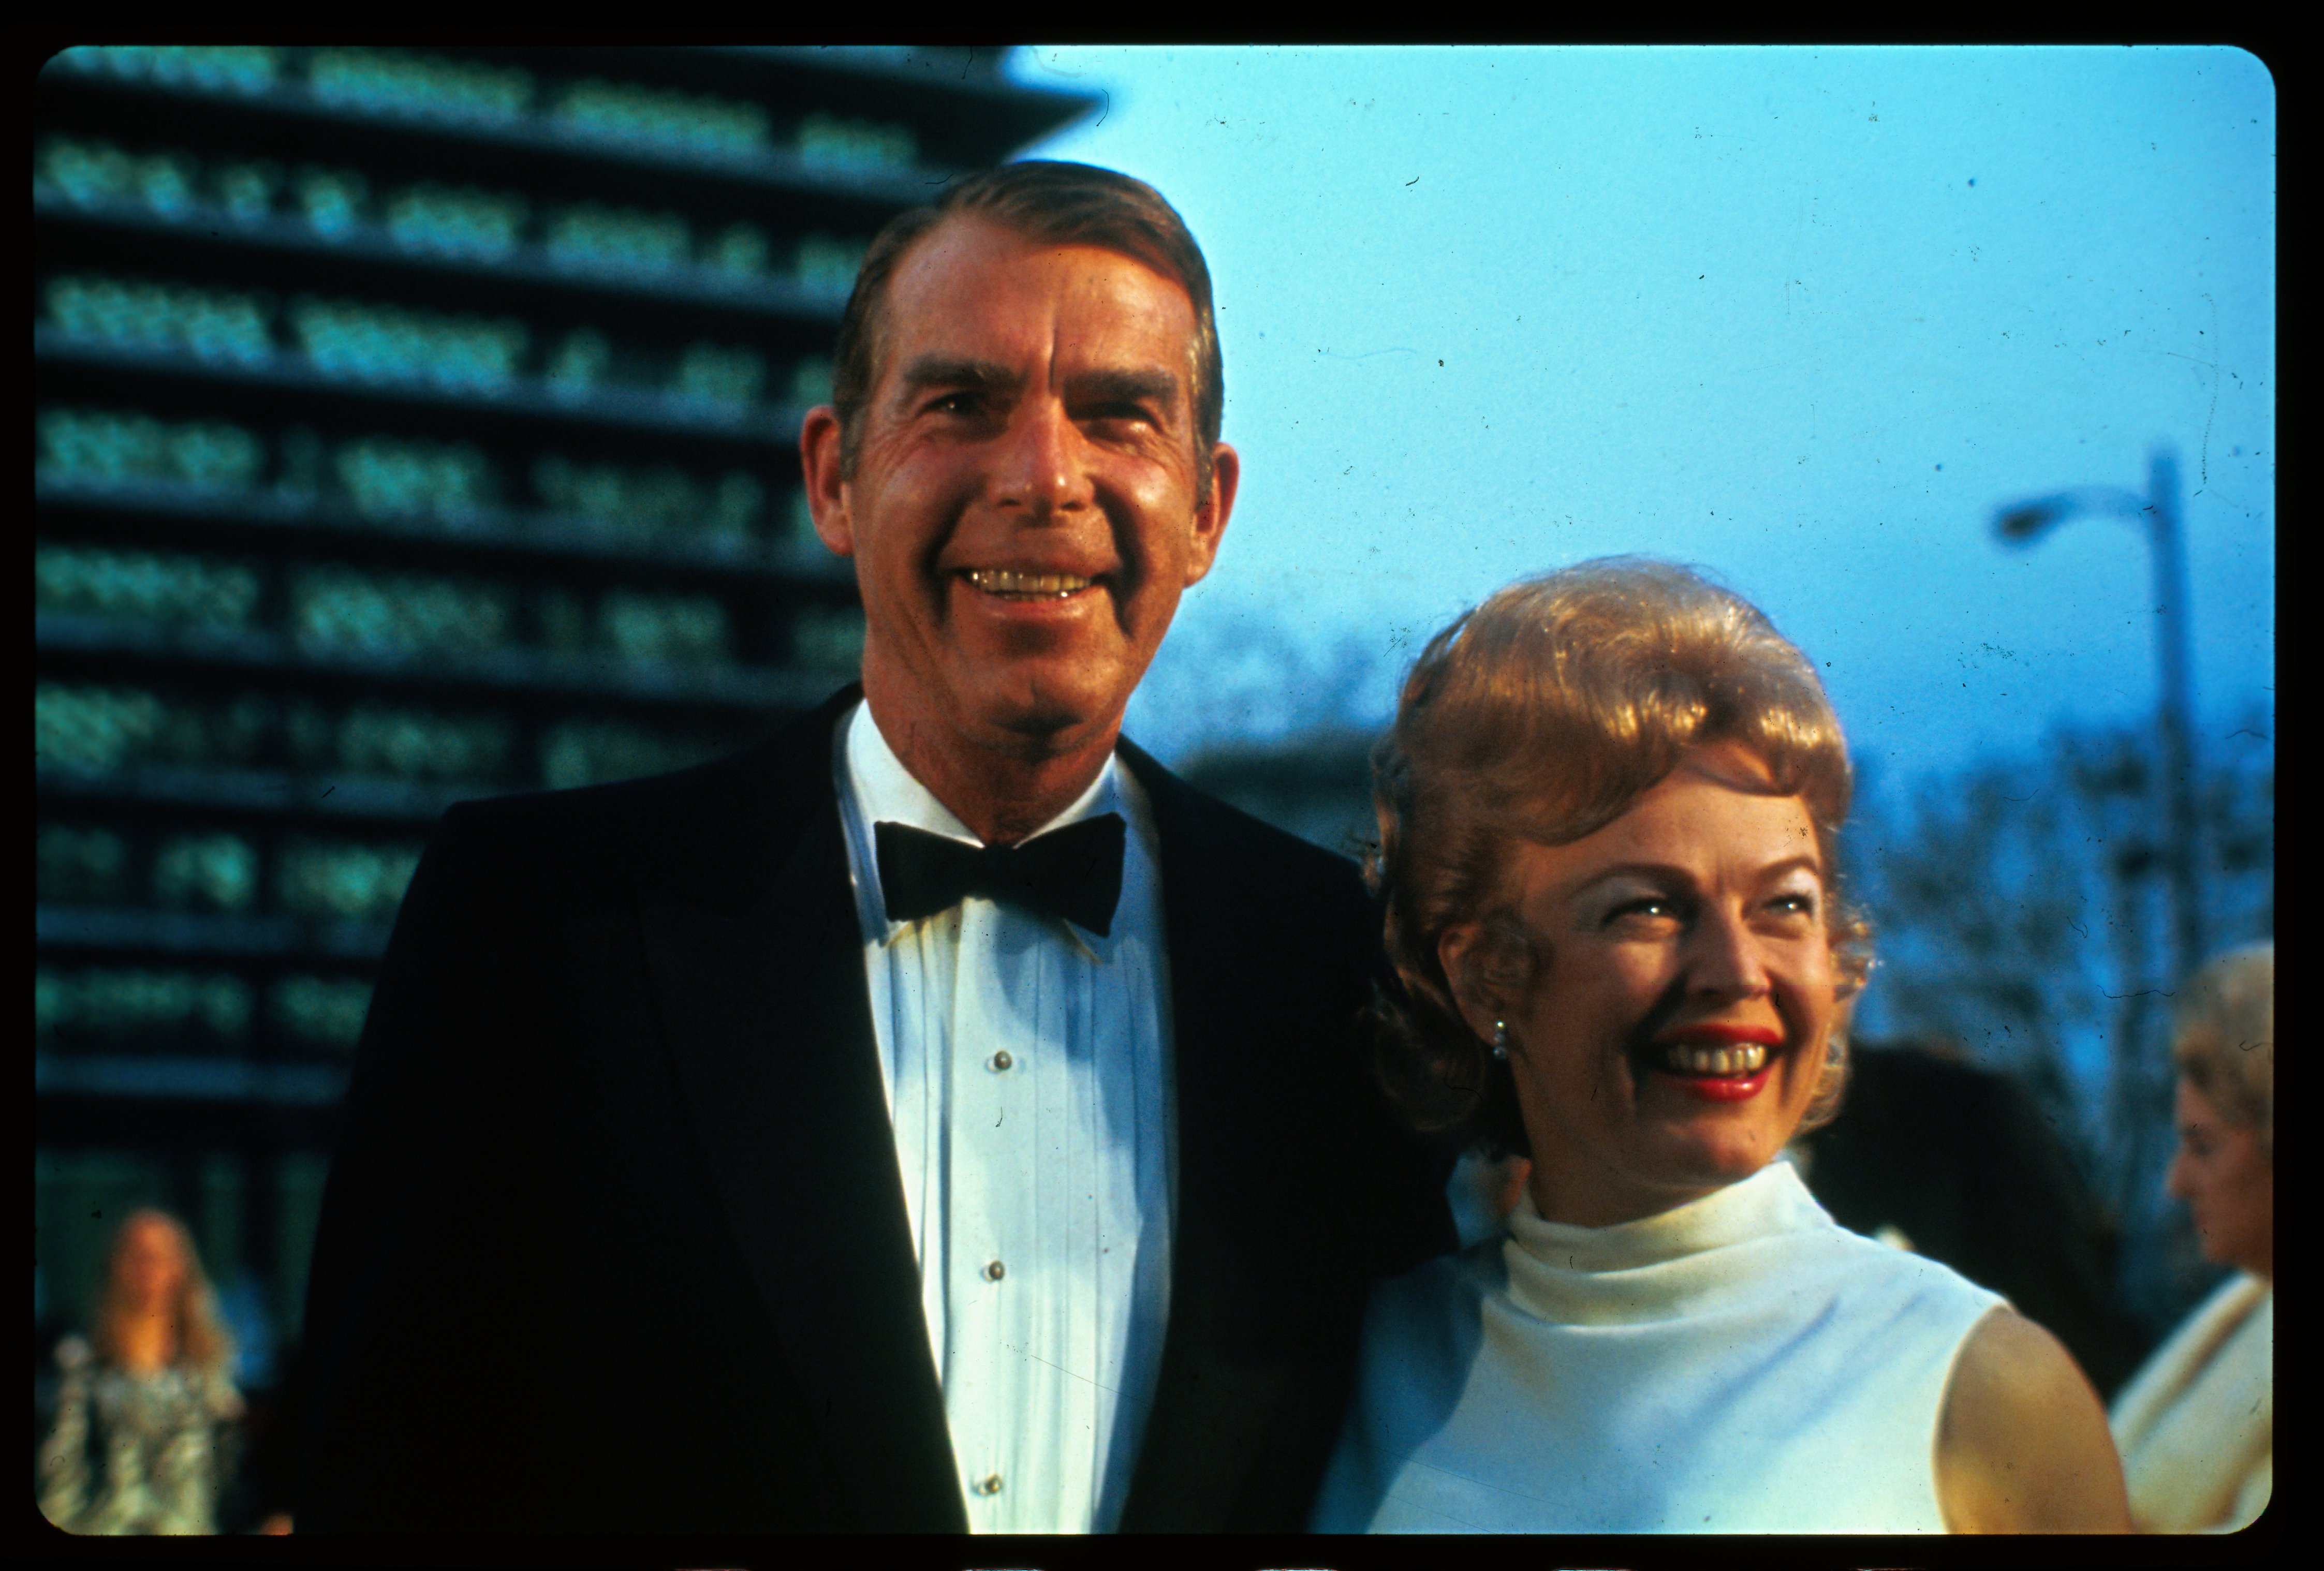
(1002, 581)
(1690, 1058)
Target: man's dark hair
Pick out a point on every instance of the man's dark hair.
(1053, 204)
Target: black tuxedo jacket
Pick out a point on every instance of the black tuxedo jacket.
(614, 1239)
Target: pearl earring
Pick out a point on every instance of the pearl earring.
(1501, 1039)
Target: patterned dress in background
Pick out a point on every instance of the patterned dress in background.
(136, 1453)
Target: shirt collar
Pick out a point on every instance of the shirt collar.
(884, 791)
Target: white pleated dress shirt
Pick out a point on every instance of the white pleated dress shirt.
(1027, 1069)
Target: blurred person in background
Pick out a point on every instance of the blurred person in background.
(2196, 1425)
(1609, 808)
(145, 1413)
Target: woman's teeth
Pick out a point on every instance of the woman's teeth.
(1692, 1059)
(1001, 581)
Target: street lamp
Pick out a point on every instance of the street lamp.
(2024, 522)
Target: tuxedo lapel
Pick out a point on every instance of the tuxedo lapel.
(1221, 1390)
(771, 1033)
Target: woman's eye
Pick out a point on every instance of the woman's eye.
(1796, 904)
(1646, 908)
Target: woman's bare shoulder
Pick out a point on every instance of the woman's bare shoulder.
(2022, 1444)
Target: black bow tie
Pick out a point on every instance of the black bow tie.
(1074, 872)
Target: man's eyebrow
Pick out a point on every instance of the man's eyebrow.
(1126, 386)
(931, 370)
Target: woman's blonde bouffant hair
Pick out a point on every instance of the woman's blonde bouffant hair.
(1542, 715)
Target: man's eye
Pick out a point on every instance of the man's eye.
(1120, 414)
(1795, 904)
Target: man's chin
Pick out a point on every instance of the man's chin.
(1037, 719)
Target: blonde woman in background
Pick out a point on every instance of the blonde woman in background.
(2196, 1425)
(142, 1412)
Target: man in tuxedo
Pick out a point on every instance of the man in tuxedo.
(938, 1117)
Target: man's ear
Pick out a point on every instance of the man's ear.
(827, 489)
(1459, 953)
(1211, 514)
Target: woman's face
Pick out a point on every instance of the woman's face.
(2228, 1183)
(151, 1265)
(1683, 998)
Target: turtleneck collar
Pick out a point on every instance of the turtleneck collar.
(1658, 1267)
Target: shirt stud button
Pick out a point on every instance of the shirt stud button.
(1002, 1061)
(989, 1484)
(994, 1270)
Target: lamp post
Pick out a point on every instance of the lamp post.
(2022, 523)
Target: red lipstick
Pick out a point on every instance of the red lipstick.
(1715, 1087)
(1724, 1089)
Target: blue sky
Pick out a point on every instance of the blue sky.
(1803, 316)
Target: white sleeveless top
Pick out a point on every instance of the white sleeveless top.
(1741, 1363)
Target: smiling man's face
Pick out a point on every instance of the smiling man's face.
(1027, 505)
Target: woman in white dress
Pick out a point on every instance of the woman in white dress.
(2196, 1425)
(1608, 812)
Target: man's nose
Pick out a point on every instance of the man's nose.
(1040, 463)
